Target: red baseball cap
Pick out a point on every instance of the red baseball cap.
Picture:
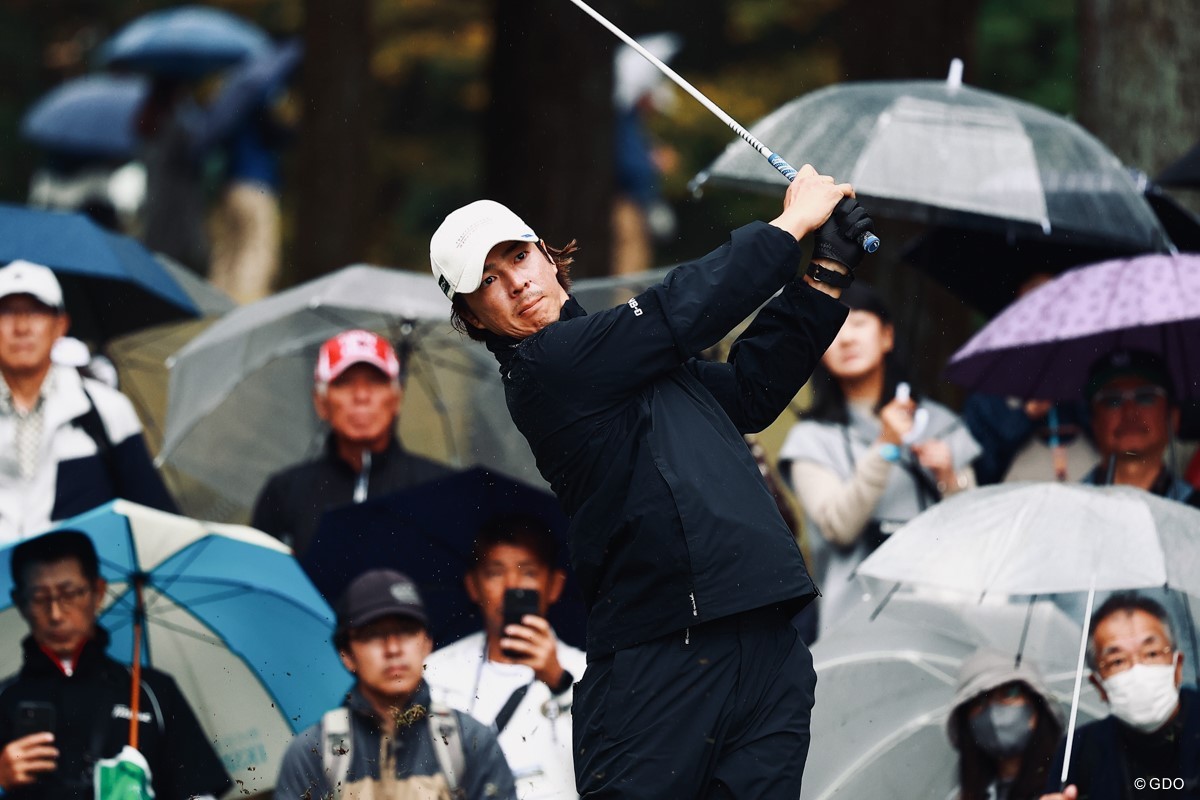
(355, 347)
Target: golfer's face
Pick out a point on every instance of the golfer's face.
(28, 330)
(520, 293)
(388, 655)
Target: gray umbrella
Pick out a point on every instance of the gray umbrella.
(944, 153)
(886, 686)
(240, 397)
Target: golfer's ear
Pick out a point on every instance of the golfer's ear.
(63, 324)
(347, 661)
(470, 317)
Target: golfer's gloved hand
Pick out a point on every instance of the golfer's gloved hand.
(837, 239)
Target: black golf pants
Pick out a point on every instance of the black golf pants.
(718, 711)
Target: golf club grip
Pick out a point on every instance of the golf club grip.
(867, 240)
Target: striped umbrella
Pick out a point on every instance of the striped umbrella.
(229, 615)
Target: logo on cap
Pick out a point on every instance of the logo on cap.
(405, 593)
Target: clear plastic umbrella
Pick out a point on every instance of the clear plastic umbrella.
(240, 394)
(948, 154)
(886, 685)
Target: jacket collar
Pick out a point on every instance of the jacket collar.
(504, 347)
(378, 460)
(358, 704)
(40, 663)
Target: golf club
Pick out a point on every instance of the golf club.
(869, 241)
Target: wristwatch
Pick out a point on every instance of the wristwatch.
(828, 277)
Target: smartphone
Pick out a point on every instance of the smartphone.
(33, 716)
(518, 603)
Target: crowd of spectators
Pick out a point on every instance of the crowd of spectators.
(871, 453)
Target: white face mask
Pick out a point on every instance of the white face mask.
(1145, 696)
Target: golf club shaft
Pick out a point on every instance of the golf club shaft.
(869, 241)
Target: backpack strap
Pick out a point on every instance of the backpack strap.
(335, 747)
(447, 745)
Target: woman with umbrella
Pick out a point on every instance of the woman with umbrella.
(866, 458)
(1005, 726)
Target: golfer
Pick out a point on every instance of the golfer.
(697, 685)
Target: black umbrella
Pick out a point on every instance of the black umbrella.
(1184, 173)
(427, 532)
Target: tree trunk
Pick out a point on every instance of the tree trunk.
(1137, 83)
(333, 183)
(551, 115)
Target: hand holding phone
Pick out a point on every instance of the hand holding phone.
(518, 603)
(32, 751)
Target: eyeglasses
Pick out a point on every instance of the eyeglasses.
(1143, 397)
(72, 597)
(1157, 655)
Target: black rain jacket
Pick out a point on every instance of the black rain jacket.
(92, 722)
(671, 522)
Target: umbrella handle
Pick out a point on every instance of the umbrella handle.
(1087, 615)
(139, 616)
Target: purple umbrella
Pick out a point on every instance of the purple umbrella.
(1042, 345)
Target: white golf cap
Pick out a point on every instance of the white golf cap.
(463, 240)
(25, 277)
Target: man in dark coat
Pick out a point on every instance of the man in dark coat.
(697, 684)
(1149, 745)
(84, 695)
(357, 391)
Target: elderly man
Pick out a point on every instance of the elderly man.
(357, 391)
(1134, 415)
(697, 685)
(67, 443)
(83, 695)
(1149, 746)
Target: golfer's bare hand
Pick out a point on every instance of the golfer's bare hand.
(1070, 793)
(809, 202)
(896, 420)
(534, 640)
(22, 760)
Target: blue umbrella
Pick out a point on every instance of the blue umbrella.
(184, 42)
(228, 614)
(111, 284)
(93, 116)
(428, 532)
(247, 88)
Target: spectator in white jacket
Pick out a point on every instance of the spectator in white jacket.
(67, 443)
(517, 678)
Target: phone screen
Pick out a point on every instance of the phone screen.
(518, 603)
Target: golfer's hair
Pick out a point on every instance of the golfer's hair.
(52, 548)
(1126, 602)
(518, 528)
(563, 259)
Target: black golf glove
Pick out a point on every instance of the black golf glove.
(837, 239)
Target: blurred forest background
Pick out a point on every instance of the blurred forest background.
(412, 107)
